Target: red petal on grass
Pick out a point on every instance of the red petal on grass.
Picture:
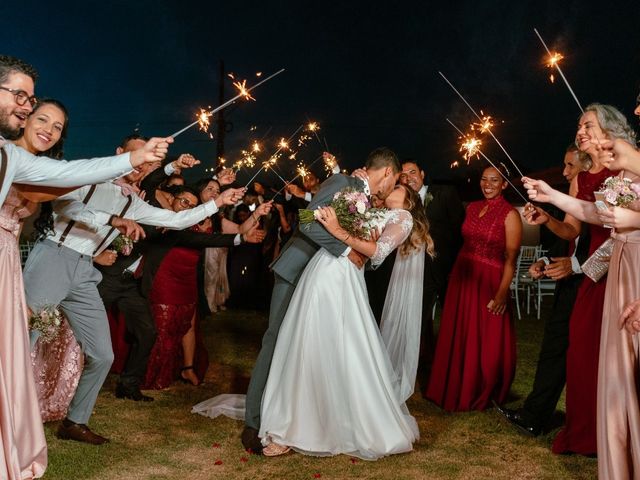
(354, 460)
(244, 459)
(316, 475)
(218, 462)
(215, 445)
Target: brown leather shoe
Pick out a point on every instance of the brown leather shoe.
(69, 430)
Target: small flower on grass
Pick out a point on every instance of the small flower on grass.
(244, 459)
(215, 445)
(354, 460)
(316, 475)
(218, 462)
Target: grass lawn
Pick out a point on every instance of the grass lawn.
(163, 440)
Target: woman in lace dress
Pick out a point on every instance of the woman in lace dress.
(475, 356)
(331, 387)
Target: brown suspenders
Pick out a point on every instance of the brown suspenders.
(71, 223)
(3, 166)
(124, 210)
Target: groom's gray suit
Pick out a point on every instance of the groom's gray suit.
(288, 268)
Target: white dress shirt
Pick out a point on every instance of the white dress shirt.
(91, 228)
(423, 192)
(24, 167)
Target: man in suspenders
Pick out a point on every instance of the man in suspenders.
(60, 271)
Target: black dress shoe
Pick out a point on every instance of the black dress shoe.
(132, 393)
(251, 441)
(79, 432)
(515, 418)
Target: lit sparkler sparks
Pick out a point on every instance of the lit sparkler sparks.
(255, 147)
(489, 131)
(242, 89)
(203, 120)
(283, 144)
(554, 62)
(302, 171)
(470, 146)
(244, 92)
(330, 162)
(477, 151)
(485, 125)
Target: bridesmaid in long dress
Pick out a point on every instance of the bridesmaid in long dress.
(618, 410)
(24, 452)
(598, 123)
(475, 356)
(57, 364)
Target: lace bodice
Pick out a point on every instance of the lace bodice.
(485, 237)
(14, 209)
(397, 227)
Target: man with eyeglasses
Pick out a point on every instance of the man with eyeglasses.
(24, 438)
(60, 270)
(17, 80)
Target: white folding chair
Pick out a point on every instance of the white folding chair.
(522, 281)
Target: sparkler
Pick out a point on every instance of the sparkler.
(480, 152)
(302, 172)
(489, 130)
(244, 92)
(553, 61)
(282, 144)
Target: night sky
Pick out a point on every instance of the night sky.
(368, 74)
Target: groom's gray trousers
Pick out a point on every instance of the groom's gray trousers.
(57, 275)
(280, 298)
(288, 268)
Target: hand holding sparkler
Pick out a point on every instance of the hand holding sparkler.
(186, 160)
(230, 196)
(538, 190)
(226, 176)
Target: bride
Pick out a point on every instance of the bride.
(331, 387)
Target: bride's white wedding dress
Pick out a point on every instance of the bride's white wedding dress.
(332, 388)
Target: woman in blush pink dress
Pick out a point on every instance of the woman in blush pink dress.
(23, 448)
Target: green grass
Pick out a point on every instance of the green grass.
(163, 440)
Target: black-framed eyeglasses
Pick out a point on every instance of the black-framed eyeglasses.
(21, 96)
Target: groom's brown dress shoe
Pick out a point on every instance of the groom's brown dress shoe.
(251, 441)
(79, 432)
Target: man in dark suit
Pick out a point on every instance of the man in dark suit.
(550, 377)
(383, 169)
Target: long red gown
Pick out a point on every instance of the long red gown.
(579, 432)
(475, 356)
(173, 299)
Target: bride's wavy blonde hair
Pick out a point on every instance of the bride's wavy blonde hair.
(419, 235)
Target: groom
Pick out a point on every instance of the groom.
(383, 170)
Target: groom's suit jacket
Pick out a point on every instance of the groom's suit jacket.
(310, 237)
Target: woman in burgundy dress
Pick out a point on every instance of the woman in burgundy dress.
(599, 122)
(475, 356)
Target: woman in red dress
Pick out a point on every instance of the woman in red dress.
(599, 122)
(475, 356)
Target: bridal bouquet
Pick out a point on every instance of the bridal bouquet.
(47, 321)
(123, 245)
(353, 210)
(620, 192)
